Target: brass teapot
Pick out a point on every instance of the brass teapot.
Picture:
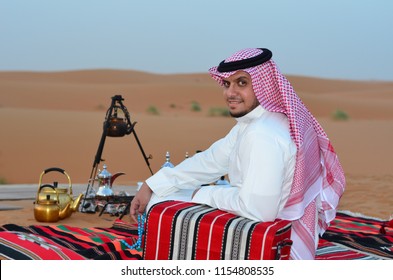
(63, 196)
(48, 210)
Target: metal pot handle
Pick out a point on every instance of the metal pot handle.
(47, 186)
(58, 170)
(54, 169)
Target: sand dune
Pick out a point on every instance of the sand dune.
(55, 119)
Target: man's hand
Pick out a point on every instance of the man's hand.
(140, 201)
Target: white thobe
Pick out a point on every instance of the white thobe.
(258, 155)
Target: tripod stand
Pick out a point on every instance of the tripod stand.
(114, 127)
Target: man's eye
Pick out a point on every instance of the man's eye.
(242, 83)
(225, 84)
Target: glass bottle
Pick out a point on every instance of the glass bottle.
(168, 162)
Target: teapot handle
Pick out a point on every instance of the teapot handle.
(58, 170)
(54, 169)
(47, 186)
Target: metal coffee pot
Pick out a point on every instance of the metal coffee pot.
(117, 127)
(106, 180)
(63, 196)
(48, 209)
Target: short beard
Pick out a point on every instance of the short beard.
(238, 115)
(243, 113)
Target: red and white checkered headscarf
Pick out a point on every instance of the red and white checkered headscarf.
(315, 155)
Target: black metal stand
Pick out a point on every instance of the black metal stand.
(114, 128)
(126, 200)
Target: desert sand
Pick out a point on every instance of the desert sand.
(55, 119)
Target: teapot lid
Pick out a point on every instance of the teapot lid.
(47, 201)
(104, 173)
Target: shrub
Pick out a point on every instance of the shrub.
(195, 107)
(219, 112)
(3, 181)
(100, 107)
(340, 115)
(153, 110)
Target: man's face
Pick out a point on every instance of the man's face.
(239, 94)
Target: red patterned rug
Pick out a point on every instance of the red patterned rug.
(349, 237)
(66, 242)
(353, 236)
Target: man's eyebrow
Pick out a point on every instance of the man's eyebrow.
(241, 77)
(238, 78)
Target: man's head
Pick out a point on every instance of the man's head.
(256, 64)
(239, 94)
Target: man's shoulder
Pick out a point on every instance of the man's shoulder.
(273, 124)
(273, 120)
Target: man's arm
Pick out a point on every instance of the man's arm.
(201, 168)
(191, 173)
(140, 201)
(266, 171)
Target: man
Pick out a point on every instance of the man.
(279, 160)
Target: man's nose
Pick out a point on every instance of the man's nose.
(231, 91)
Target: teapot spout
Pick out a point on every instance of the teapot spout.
(114, 176)
(66, 212)
(76, 202)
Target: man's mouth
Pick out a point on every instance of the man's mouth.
(234, 101)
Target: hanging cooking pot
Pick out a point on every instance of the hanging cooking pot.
(117, 127)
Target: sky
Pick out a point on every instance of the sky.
(337, 39)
